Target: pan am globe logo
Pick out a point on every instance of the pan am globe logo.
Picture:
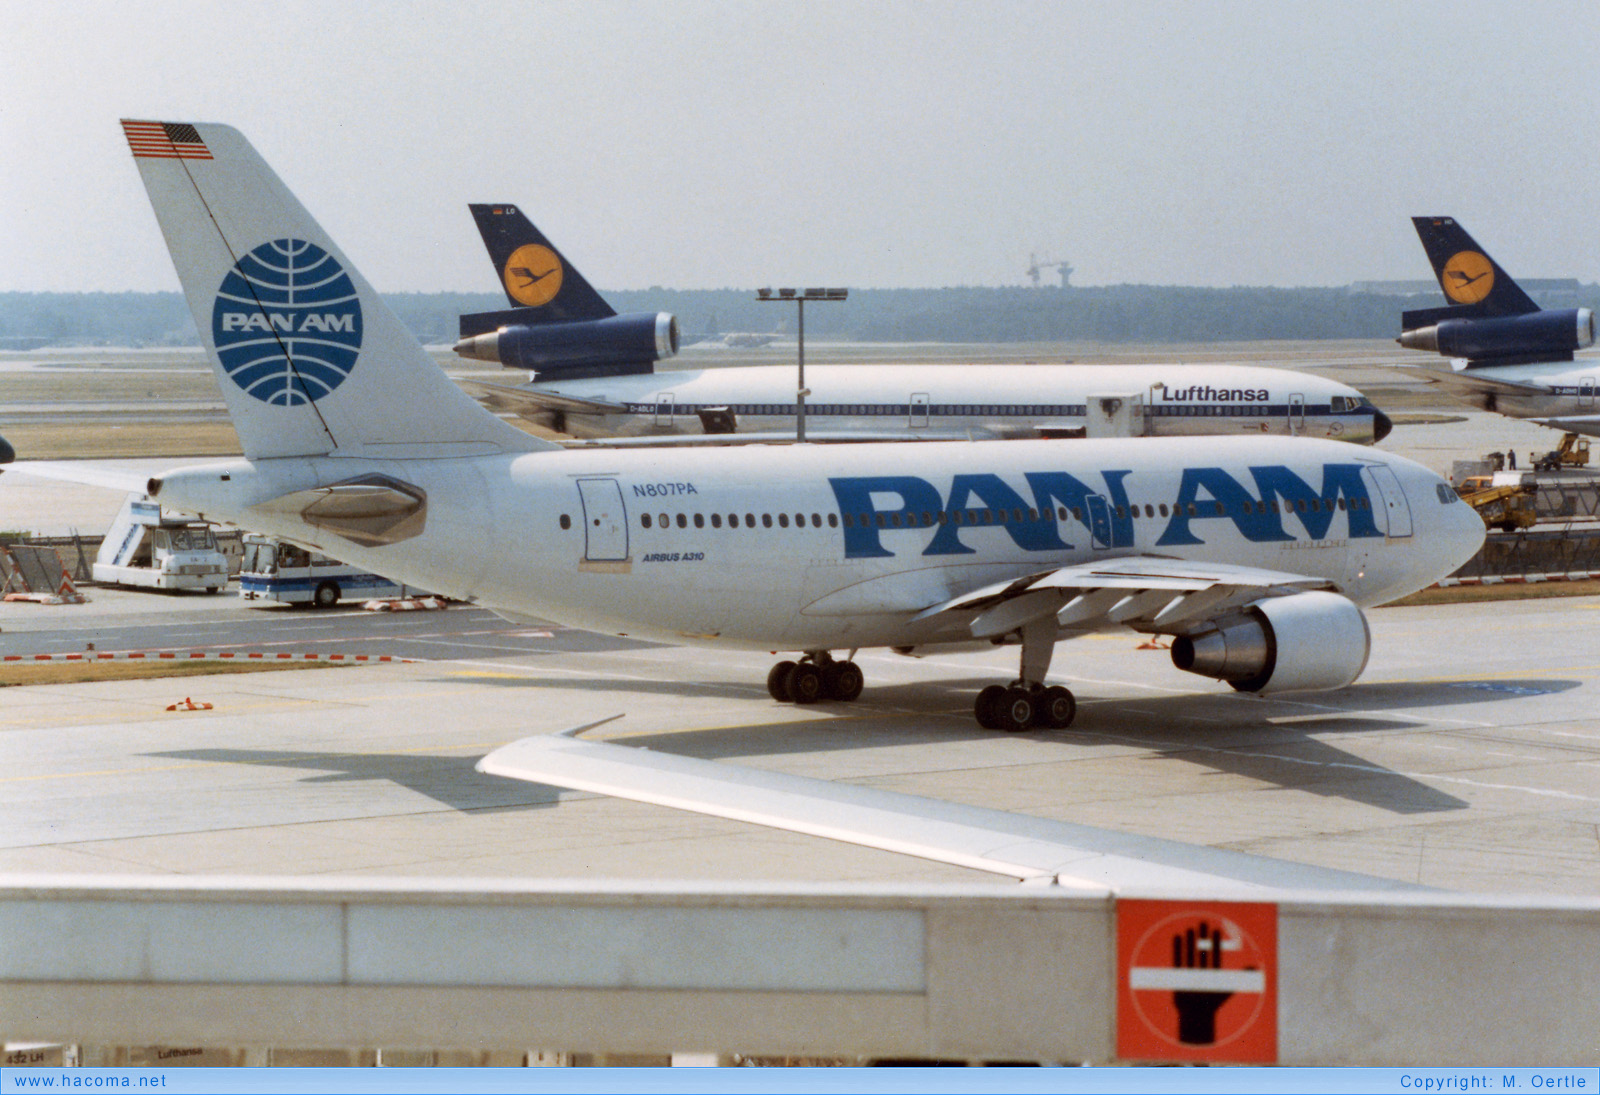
(287, 323)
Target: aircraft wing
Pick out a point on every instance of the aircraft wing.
(1586, 424)
(1031, 849)
(513, 398)
(1467, 382)
(123, 479)
(1142, 592)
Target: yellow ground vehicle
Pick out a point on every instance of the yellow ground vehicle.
(1573, 452)
(1504, 501)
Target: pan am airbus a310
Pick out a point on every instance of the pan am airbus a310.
(1255, 554)
(593, 372)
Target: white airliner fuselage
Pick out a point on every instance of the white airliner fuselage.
(1253, 553)
(979, 401)
(1560, 394)
(750, 548)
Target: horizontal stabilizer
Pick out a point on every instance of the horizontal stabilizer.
(88, 474)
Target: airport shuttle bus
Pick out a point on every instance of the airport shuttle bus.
(277, 571)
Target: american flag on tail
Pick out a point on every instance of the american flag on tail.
(165, 141)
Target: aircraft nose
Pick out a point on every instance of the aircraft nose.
(7, 453)
(1381, 425)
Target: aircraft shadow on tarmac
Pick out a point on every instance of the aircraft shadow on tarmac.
(450, 780)
(1227, 733)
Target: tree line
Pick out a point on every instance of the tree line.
(1117, 313)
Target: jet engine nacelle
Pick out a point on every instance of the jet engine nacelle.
(1558, 332)
(1306, 642)
(613, 346)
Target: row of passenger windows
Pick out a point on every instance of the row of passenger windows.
(1340, 405)
(927, 519)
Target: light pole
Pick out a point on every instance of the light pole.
(800, 297)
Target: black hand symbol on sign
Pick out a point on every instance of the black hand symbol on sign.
(1197, 1011)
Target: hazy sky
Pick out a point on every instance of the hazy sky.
(701, 144)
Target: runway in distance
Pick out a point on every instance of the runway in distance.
(593, 373)
(1254, 553)
(1506, 354)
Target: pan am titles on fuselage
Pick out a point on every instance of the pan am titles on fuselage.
(1256, 554)
(593, 373)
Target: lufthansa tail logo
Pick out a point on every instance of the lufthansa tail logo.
(533, 275)
(1467, 278)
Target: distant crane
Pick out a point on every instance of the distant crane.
(1035, 268)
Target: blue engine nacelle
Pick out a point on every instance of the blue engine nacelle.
(613, 346)
(1534, 336)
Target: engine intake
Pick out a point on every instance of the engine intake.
(1307, 642)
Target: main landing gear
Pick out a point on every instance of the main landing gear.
(1026, 703)
(815, 677)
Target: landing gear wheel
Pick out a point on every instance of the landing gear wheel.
(847, 682)
(778, 682)
(987, 706)
(805, 683)
(327, 595)
(1016, 710)
(1057, 707)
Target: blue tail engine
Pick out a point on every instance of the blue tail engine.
(558, 326)
(1491, 320)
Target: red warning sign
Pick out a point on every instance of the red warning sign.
(1197, 981)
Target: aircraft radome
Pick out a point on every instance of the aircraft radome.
(594, 374)
(1254, 553)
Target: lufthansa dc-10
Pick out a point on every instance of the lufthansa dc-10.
(594, 374)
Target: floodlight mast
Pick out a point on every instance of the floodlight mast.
(800, 297)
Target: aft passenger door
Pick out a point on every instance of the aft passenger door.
(664, 409)
(1297, 414)
(1586, 394)
(605, 521)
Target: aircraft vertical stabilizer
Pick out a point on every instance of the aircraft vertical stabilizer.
(1472, 281)
(309, 358)
(535, 275)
